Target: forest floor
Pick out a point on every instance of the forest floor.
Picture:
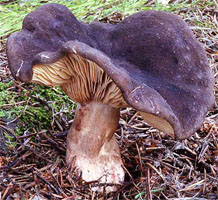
(34, 121)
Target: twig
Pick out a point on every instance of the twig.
(148, 186)
(56, 190)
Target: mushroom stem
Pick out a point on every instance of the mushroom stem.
(91, 146)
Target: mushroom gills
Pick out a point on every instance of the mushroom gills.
(159, 123)
(75, 73)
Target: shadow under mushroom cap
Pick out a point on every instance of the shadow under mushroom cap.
(153, 57)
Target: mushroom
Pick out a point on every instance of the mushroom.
(150, 61)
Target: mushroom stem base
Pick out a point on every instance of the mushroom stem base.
(92, 149)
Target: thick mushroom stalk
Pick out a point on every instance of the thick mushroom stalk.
(91, 146)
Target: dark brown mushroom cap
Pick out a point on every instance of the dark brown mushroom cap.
(152, 56)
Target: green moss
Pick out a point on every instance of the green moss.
(33, 107)
(4, 86)
(10, 142)
(2, 114)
